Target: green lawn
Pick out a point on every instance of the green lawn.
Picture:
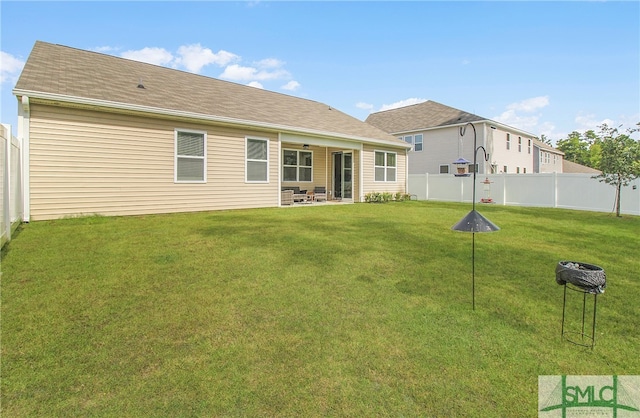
(335, 310)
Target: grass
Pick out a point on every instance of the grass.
(349, 310)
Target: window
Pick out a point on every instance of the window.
(408, 139)
(518, 170)
(504, 169)
(385, 166)
(524, 170)
(190, 157)
(519, 144)
(508, 141)
(297, 165)
(257, 160)
(444, 169)
(473, 168)
(529, 146)
(418, 143)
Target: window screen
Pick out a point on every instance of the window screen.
(190, 157)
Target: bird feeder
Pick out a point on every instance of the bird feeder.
(487, 191)
(462, 167)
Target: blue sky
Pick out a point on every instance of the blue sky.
(544, 67)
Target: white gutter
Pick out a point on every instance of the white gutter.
(192, 115)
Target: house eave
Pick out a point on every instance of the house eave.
(129, 107)
(475, 122)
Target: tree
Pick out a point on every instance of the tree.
(545, 140)
(575, 148)
(620, 159)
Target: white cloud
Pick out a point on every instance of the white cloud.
(256, 85)
(270, 63)
(291, 86)
(590, 122)
(10, 67)
(239, 73)
(523, 115)
(530, 105)
(190, 57)
(194, 57)
(402, 103)
(104, 49)
(511, 118)
(157, 56)
(364, 106)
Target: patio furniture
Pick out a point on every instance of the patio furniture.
(286, 197)
(320, 193)
(298, 195)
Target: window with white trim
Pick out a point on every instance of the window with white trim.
(529, 146)
(417, 144)
(444, 168)
(297, 165)
(385, 166)
(508, 141)
(519, 144)
(257, 160)
(408, 139)
(190, 164)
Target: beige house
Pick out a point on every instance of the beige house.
(111, 136)
(547, 159)
(433, 131)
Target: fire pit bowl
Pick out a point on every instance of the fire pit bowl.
(588, 277)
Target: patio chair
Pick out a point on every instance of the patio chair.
(286, 197)
(320, 193)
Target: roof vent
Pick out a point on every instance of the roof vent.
(140, 85)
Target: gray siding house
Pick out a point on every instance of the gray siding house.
(433, 131)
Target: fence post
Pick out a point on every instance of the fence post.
(504, 189)
(6, 185)
(426, 186)
(555, 189)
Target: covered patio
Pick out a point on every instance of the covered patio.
(319, 171)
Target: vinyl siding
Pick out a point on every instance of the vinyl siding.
(320, 168)
(370, 185)
(86, 162)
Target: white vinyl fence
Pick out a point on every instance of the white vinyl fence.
(10, 184)
(567, 191)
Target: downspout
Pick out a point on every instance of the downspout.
(361, 174)
(279, 169)
(24, 119)
(406, 170)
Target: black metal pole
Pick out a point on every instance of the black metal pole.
(473, 269)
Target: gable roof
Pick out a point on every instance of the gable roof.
(571, 167)
(56, 72)
(546, 147)
(420, 116)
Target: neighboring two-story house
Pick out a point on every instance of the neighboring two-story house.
(434, 131)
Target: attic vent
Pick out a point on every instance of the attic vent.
(140, 85)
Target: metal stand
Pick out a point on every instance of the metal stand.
(580, 337)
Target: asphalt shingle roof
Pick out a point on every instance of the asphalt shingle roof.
(420, 116)
(66, 71)
(571, 167)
